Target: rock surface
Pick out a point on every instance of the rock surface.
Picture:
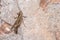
(39, 24)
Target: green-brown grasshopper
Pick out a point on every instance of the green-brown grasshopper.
(18, 22)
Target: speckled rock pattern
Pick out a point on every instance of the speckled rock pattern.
(39, 24)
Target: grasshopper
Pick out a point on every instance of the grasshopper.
(18, 22)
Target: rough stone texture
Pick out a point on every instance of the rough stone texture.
(40, 25)
(58, 35)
